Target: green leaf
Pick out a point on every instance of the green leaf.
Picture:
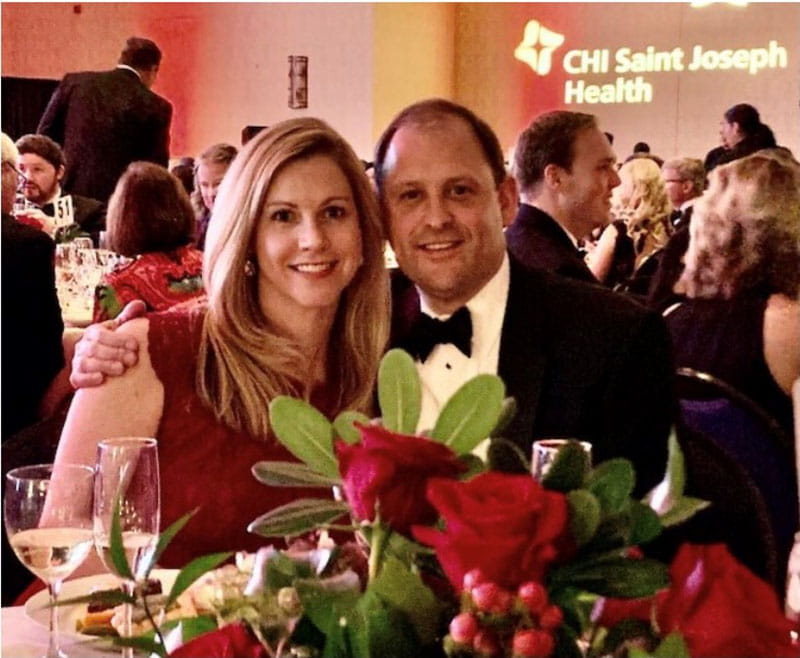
(568, 470)
(192, 627)
(142, 643)
(110, 597)
(645, 524)
(613, 576)
(325, 607)
(507, 413)
(404, 590)
(377, 629)
(685, 508)
(584, 517)
(291, 474)
(297, 517)
(304, 432)
(474, 464)
(193, 571)
(344, 428)
(673, 646)
(612, 482)
(399, 392)
(626, 630)
(164, 540)
(470, 414)
(116, 547)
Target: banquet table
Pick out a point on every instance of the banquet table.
(24, 638)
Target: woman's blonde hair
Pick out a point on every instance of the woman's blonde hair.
(646, 210)
(745, 229)
(242, 363)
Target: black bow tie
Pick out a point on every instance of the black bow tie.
(49, 209)
(428, 332)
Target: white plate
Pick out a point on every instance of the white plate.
(36, 607)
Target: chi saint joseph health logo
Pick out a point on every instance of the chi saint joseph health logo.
(539, 59)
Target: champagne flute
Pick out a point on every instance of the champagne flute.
(48, 518)
(126, 478)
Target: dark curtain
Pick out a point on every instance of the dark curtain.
(23, 103)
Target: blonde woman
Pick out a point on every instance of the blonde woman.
(741, 321)
(297, 305)
(640, 202)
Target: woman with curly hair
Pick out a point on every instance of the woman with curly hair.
(741, 321)
(297, 305)
(626, 253)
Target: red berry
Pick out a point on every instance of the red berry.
(472, 578)
(485, 643)
(463, 628)
(534, 596)
(532, 643)
(551, 618)
(489, 597)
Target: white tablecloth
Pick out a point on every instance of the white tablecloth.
(23, 638)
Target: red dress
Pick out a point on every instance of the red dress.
(203, 462)
(159, 279)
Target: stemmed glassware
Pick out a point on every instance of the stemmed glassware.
(127, 479)
(48, 518)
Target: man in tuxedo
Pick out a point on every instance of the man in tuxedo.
(566, 170)
(106, 120)
(685, 180)
(42, 163)
(32, 326)
(580, 360)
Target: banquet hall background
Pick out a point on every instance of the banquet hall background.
(226, 65)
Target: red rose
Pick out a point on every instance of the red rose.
(508, 526)
(232, 641)
(389, 472)
(721, 608)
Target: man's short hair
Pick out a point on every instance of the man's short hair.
(8, 149)
(690, 169)
(548, 140)
(140, 54)
(42, 146)
(437, 108)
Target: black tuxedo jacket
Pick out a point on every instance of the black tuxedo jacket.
(660, 294)
(582, 362)
(104, 121)
(536, 240)
(90, 214)
(32, 326)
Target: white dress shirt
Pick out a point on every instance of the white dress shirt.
(446, 369)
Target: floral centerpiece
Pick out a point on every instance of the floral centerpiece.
(452, 559)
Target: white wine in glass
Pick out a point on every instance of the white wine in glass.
(48, 518)
(127, 479)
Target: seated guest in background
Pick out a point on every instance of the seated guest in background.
(150, 219)
(297, 305)
(642, 150)
(641, 202)
(248, 132)
(565, 169)
(210, 169)
(742, 133)
(42, 162)
(741, 321)
(32, 326)
(685, 180)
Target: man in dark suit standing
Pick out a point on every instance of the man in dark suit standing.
(566, 170)
(581, 361)
(106, 120)
(42, 163)
(32, 326)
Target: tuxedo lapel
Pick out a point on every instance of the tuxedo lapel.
(522, 356)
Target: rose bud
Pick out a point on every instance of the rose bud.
(532, 643)
(463, 628)
(551, 618)
(534, 596)
(473, 578)
(490, 597)
(485, 643)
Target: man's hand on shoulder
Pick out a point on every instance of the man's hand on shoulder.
(103, 352)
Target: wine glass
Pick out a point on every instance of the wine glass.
(126, 478)
(48, 518)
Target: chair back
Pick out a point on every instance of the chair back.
(753, 439)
